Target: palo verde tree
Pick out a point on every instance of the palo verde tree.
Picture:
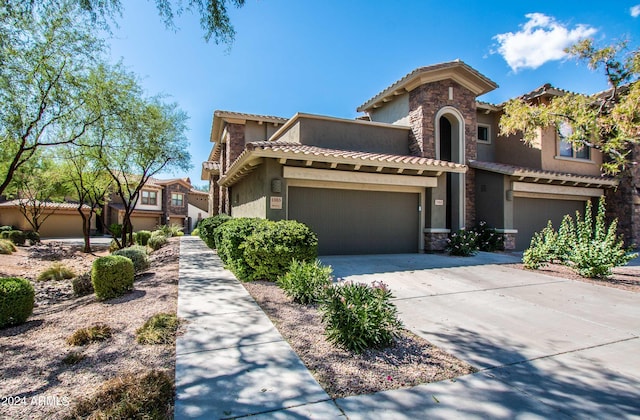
(46, 54)
(145, 138)
(608, 121)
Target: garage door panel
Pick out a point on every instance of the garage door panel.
(532, 214)
(357, 222)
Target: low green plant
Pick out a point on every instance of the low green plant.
(73, 358)
(270, 250)
(195, 232)
(18, 237)
(170, 230)
(132, 396)
(82, 285)
(161, 328)
(7, 247)
(541, 249)
(137, 254)
(488, 239)
(32, 237)
(6, 228)
(84, 336)
(157, 241)
(463, 243)
(115, 229)
(306, 282)
(142, 237)
(206, 228)
(112, 276)
(16, 301)
(358, 316)
(56, 271)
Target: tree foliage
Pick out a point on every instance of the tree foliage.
(608, 121)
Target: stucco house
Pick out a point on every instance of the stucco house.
(59, 220)
(423, 161)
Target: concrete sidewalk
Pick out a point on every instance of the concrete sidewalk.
(232, 362)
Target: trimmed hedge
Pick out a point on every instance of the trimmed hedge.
(112, 276)
(18, 237)
(231, 242)
(16, 301)
(207, 227)
(137, 254)
(142, 237)
(270, 250)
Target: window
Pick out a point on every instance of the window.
(566, 149)
(176, 199)
(483, 133)
(149, 197)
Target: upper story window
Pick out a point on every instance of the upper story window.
(568, 150)
(149, 197)
(177, 199)
(484, 133)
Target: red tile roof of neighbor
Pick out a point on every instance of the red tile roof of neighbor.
(45, 204)
(549, 176)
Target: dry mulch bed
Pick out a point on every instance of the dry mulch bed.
(411, 361)
(35, 381)
(624, 278)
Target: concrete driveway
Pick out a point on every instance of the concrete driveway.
(544, 346)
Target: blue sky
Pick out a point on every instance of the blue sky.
(329, 56)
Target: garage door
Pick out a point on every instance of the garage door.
(358, 222)
(145, 222)
(530, 215)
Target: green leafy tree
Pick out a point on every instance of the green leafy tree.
(608, 121)
(46, 55)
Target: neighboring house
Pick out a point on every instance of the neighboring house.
(160, 202)
(423, 162)
(198, 206)
(62, 219)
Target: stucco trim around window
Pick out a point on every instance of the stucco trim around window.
(486, 127)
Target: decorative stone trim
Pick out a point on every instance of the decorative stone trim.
(435, 241)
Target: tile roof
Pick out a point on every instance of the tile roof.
(45, 204)
(303, 151)
(246, 116)
(539, 174)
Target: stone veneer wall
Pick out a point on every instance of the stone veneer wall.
(424, 103)
(233, 147)
(175, 210)
(623, 203)
(435, 241)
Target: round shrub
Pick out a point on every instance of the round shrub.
(137, 254)
(7, 247)
(112, 276)
(231, 243)
(32, 237)
(195, 232)
(142, 237)
(16, 301)
(207, 226)
(305, 282)
(18, 237)
(157, 241)
(270, 250)
(463, 243)
(358, 316)
(82, 285)
(6, 228)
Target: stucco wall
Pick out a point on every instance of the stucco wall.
(248, 196)
(512, 150)
(255, 131)
(490, 198)
(487, 152)
(551, 162)
(60, 224)
(394, 112)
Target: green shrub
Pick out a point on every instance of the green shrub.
(195, 232)
(157, 241)
(82, 285)
(231, 241)
(590, 249)
(132, 396)
(137, 254)
(56, 271)
(7, 247)
(6, 228)
(159, 329)
(170, 230)
(32, 237)
(112, 276)
(18, 237)
(84, 336)
(358, 316)
(270, 250)
(305, 282)
(463, 243)
(16, 301)
(115, 229)
(4, 234)
(73, 358)
(207, 226)
(488, 239)
(142, 237)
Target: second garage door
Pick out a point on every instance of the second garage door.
(358, 222)
(531, 215)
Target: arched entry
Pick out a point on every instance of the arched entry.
(450, 146)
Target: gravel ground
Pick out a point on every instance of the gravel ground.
(35, 383)
(411, 361)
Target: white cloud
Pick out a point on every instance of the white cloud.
(540, 39)
(635, 10)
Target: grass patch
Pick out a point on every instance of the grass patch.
(73, 358)
(132, 396)
(84, 336)
(7, 247)
(56, 271)
(159, 329)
